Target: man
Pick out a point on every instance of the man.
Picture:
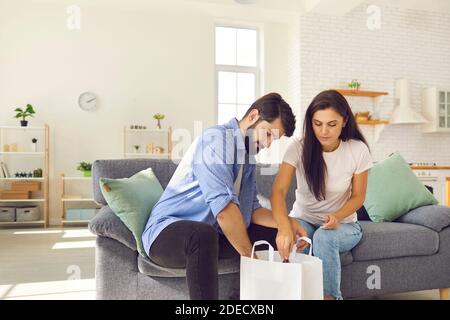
(210, 202)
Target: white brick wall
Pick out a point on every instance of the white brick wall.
(410, 44)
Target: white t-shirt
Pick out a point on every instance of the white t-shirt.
(351, 157)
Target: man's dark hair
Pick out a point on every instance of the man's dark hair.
(271, 107)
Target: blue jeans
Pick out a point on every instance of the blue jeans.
(327, 244)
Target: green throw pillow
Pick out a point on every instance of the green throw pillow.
(393, 190)
(132, 200)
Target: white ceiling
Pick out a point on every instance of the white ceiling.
(333, 6)
(284, 5)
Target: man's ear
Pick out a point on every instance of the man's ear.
(253, 116)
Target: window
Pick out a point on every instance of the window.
(237, 71)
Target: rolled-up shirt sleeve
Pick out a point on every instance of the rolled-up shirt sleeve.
(215, 176)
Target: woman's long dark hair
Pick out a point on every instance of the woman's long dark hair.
(312, 157)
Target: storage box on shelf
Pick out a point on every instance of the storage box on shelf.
(14, 194)
(7, 214)
(19, 214)
(76, 215)
(21, 189)
(24, 214)
(26, 186)
(80, 214)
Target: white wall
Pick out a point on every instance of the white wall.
(139, 61)
(411, 44)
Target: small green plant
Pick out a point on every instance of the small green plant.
(84, 166)
(158, 117)
(24, 114)
(354, 84)
(34, 140)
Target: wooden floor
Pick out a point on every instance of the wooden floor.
(57, 263)
(50, 263)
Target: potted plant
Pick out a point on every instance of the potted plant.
(136, 148)
(34, 144)
(158, 117)
(23, 114)
(354, 84)
(85, 167)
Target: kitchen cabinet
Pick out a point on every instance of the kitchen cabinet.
(435, 177)
(436, 108)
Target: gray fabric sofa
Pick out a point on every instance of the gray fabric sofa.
(391, 257)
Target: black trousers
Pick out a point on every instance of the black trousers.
(197, 246)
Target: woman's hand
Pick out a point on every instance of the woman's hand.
(331, 222)
(299, 231)
(284, 240)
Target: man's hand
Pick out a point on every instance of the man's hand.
(331, 222)
(233, 227)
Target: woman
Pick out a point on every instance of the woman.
(331, 163)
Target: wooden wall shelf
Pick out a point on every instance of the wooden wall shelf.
(372, 122)
(378, 97)
(361, 93)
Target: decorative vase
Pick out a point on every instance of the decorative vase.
(158, 125)
(87, 173)
(37, 173)
(23, 123)
(34, 147)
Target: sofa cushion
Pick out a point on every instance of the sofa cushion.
(393, 190)
(393, 239)
(435, 217)
(132, 200)
(147, 267)
(125, 168)
(346, 258)
(106, 224)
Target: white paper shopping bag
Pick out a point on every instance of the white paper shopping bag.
(268, 278)
(312, 274)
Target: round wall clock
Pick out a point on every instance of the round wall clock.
(87, 101)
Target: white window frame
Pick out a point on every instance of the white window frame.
(256, 70)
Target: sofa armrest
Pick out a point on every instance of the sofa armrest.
(106, 224)
(435, 217)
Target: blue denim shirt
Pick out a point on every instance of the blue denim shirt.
(203, 183)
